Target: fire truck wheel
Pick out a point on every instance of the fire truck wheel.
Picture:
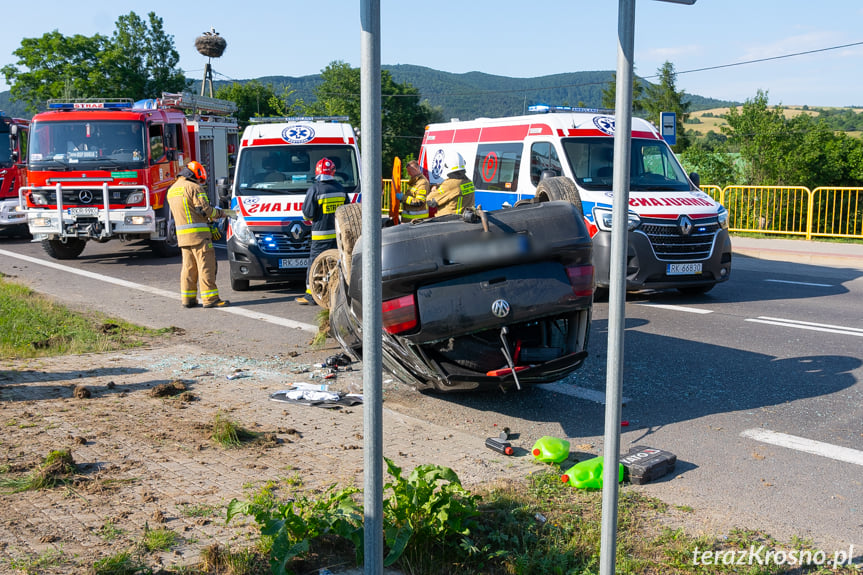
(559, 188)
(349, 226)
(323, 271)
(69, 249)
(239, 284)
(168, 247)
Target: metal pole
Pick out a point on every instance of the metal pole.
(617, 284)
(370, 132)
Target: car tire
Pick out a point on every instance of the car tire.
(559, 188)
(349, 226)
(321, 276)
(64, 250)
(239, 284)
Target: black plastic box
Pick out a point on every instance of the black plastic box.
(643, 464)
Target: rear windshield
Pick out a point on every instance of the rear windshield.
(291, 168)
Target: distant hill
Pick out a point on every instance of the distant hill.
(470, 95)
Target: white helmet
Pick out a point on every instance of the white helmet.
(453, 163)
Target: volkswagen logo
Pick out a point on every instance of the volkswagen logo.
(85, 196)
(297, 232)
(500, 308)
(685, 225)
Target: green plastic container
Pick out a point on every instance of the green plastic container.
(550, 449)
(587, 474)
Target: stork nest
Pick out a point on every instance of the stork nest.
(211, 45)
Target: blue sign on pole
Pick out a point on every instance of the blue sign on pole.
(668, 127)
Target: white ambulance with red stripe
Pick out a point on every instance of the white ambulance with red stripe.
(678, 235)
(270, 240)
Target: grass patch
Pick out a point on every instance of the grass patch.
(197, 510)
(320, 338)
(228, 433)
(219, 559)
(159, 539)
(49, 559)
(120, 563)
(32, 325)
(57, 468)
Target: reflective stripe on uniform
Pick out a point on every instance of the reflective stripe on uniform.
(331, 202)
(192, 228)
(324, 235)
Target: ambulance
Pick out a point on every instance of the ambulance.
(270, 240)
(678, 235)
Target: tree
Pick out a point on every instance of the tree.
(609, 95)
(138, 61)
(760, 133)
(664, 97)
(403, 116)
(255, 99)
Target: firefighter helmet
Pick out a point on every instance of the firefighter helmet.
(325, 167)
(453, 163)
(198, 170)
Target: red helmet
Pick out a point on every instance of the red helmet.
(199, 170)
(325, 167)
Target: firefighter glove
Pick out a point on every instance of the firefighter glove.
(400, 196)
(432, 203)
(229, 213)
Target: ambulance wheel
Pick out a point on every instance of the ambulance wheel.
(239, 284)
(67, 249)
(323, 270)
(349, 226)
(559, 188)
(695, 290)
(168, 247)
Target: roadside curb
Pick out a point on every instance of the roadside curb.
(800, 256)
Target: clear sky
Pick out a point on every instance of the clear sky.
(505, 37)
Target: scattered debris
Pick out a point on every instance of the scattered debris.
(170, 389)
(644, 464)
(328, 399)
(81, 392)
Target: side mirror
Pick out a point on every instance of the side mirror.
(696, 179)
(172, 155)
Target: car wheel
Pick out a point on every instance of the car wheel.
(68, 249)
(559, 188)
(320, 275)
(349, 226)
(239, 284)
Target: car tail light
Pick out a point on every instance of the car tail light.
(581, 279)
(400, 314)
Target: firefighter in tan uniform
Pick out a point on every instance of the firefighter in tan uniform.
(414, 198)
(193, 213)
(456, 192)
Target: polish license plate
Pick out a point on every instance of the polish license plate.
(683, 269)
(287, 263)
(84, 211)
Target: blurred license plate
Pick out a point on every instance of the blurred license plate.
(84, 211)
(683, 269)
(285, 263)
(488, 248)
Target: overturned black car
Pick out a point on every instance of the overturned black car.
(483, 300)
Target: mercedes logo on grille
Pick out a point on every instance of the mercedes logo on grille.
(685, 225)
(297, 232)
(500, 308)
(85, 196)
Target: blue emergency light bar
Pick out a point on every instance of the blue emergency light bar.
(287, 119)
(89, 104)
(546, 109)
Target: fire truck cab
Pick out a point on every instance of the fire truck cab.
(270, 240)
(678, 235)
(13, 174)
(100, 169)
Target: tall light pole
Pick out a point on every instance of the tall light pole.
(617, 280)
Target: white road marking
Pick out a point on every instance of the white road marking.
(827, 328)
(236, 310)
(799, 283)
(677, 307)
(575, 391)
(806, 445)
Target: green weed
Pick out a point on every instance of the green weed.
(227, 433)
(159, 539)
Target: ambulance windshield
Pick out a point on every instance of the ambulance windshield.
(94, 144)
(291, 168)
(653, 165)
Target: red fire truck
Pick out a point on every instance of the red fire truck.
(13, 155)
(99, 169)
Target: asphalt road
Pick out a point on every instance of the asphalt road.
(755, 386)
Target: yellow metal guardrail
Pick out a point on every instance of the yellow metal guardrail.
(827, 212)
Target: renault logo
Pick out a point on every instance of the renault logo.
(500, 308)
(85, 196)
(297, 232)
(685, 225)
